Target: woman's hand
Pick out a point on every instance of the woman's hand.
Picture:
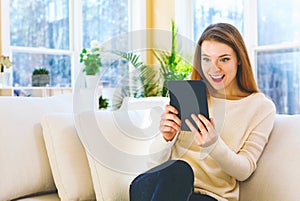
(169, 123)
(206, 133)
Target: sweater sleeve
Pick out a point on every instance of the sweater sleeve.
(241, 165)
(160, 150)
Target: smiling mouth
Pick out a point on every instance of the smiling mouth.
(217, 78)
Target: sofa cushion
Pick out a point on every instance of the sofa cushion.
(67, 158)
(118, 144)
(110, 184)
(25, 168)
(277, 175)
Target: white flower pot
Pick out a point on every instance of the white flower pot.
(4, 79)
(91, 81)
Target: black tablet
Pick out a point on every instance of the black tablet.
(188, 97)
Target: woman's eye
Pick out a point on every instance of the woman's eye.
(224, 59)
(205, 59)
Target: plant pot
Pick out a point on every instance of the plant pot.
(91, 81)
(4, 79)
(40, 80)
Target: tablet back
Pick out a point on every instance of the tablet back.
(188, 97)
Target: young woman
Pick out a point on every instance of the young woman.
(207, 162)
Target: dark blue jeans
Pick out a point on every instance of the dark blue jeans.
(170, 181)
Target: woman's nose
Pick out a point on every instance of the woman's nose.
(215, 65)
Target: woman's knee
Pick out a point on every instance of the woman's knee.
(179, 166)
(174, 168)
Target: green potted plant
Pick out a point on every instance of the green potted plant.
(103, 103)
(40, 77)
(150, 81)
(91, 59)
(173, 66)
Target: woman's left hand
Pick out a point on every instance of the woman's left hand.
(205, 134)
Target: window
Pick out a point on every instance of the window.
(39, 37)
(115, 23)
(104, 20)
(212, 11)
(52, 33)
(277, 54)
(278, 75)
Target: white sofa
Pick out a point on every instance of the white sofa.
(45, 156)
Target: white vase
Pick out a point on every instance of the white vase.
(4, 79)
(91, 81)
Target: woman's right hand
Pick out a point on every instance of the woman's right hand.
(169, 123)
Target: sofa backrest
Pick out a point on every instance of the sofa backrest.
(24, 165)
(277, 175)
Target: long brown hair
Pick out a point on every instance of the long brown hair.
(229, 35)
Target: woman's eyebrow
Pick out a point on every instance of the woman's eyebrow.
(222, 55)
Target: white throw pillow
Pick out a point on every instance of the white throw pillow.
(24, 164)
(67, 158)
(118, 144)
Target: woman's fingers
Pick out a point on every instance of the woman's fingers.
(205, 121)
(204, 130)
(202, 127)
(200, 137)
(169, 118)
(170, 109)
(191, 126)
(210, 131)
(169, 129)
(170, 123)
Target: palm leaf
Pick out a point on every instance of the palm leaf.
(131, 57)
(143, 84)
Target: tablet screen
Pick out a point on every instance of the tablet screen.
(188, 97)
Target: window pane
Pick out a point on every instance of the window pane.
(39, 23)
(278, 21)
(103, 20)
(59, 67)
(279, 77)
(213, 11)
(116, 74)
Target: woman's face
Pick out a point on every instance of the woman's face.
(219, 64)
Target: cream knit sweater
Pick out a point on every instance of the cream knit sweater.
(244, 126)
